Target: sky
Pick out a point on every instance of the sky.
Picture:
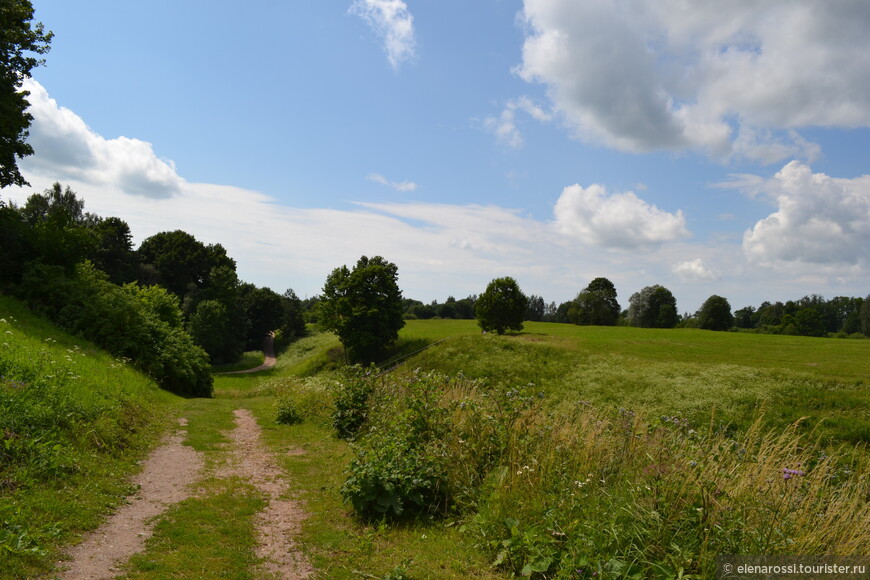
(710, 147)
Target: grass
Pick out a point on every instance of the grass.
(249, 360)
(605, 474)
(693, 373)
(73, 422)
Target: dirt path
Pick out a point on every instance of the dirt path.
(268, 361)
(279, 523)
(165, 479)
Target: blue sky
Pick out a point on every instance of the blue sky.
(711, 148)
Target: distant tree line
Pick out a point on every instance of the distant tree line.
(656, 307)
(172, 306)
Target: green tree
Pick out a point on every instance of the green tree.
(501, 307)
(20, 41)
(62, 231)
(653, 307)
(535, 308)
(864, 316)
(715, 314)
(363, 307)
(114, 250)
(182, 263)
(293, 320)
(596, 304)
(809, 322)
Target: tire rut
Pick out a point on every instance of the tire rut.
(165, 479)
(279, 523)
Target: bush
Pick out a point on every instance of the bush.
(286, 412)
(429, 444)
(351, 401)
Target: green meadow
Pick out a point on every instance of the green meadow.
(559, 452)
(701, 375)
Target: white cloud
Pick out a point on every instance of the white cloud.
(505, 126)
(393, 23)
(446, 249)
(68, 149)
(402, 186)
(620, 220)
(820, 219)
(732, 79)
(695, 271)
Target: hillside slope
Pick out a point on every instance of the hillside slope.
(73, 423)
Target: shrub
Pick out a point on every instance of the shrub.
(351, 401)
(286, 412)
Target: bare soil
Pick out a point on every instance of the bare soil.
(279, 523)
(165, 479)
(269, 358)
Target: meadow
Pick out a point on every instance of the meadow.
(560, 452)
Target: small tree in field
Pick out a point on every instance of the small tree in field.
(715, 314)
(501, 307)
(363, 307)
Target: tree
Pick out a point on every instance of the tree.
(715, 314)
(363, 307)
(501, 307)
(20, 40)
(653, 307)
(182, 262)
(535, 309)
(743, 318)
(864, 316)
(809, 322)
(596, 304)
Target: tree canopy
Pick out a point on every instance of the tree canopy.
(715, 314)
(363, 307)
(653, 307)
(20, 41)
(501, 307)
(596, 304)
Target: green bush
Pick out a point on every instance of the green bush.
(286, 412)
(351, 401)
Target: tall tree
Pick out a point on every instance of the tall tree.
(363, 307)
(501, 307)
(20, 42)
(181, 261)
(653, 307)
(715, 314)
(596, 304)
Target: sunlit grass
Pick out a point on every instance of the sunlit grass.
(73, 422)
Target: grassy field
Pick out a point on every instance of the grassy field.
(615, 461)
(693, 373)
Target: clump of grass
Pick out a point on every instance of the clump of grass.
(299, 399)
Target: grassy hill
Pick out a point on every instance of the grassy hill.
(73, 422)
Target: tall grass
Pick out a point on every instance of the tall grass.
(72, 420)
(587, 491)
(620, 368)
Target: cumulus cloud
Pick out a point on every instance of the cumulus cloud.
(504, 127)
(68, 149)
(402, 186)
(619, 220)
(393, 23)
(819, 220)
(732, 79)
(694, 271)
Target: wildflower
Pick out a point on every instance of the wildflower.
(789, 473)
